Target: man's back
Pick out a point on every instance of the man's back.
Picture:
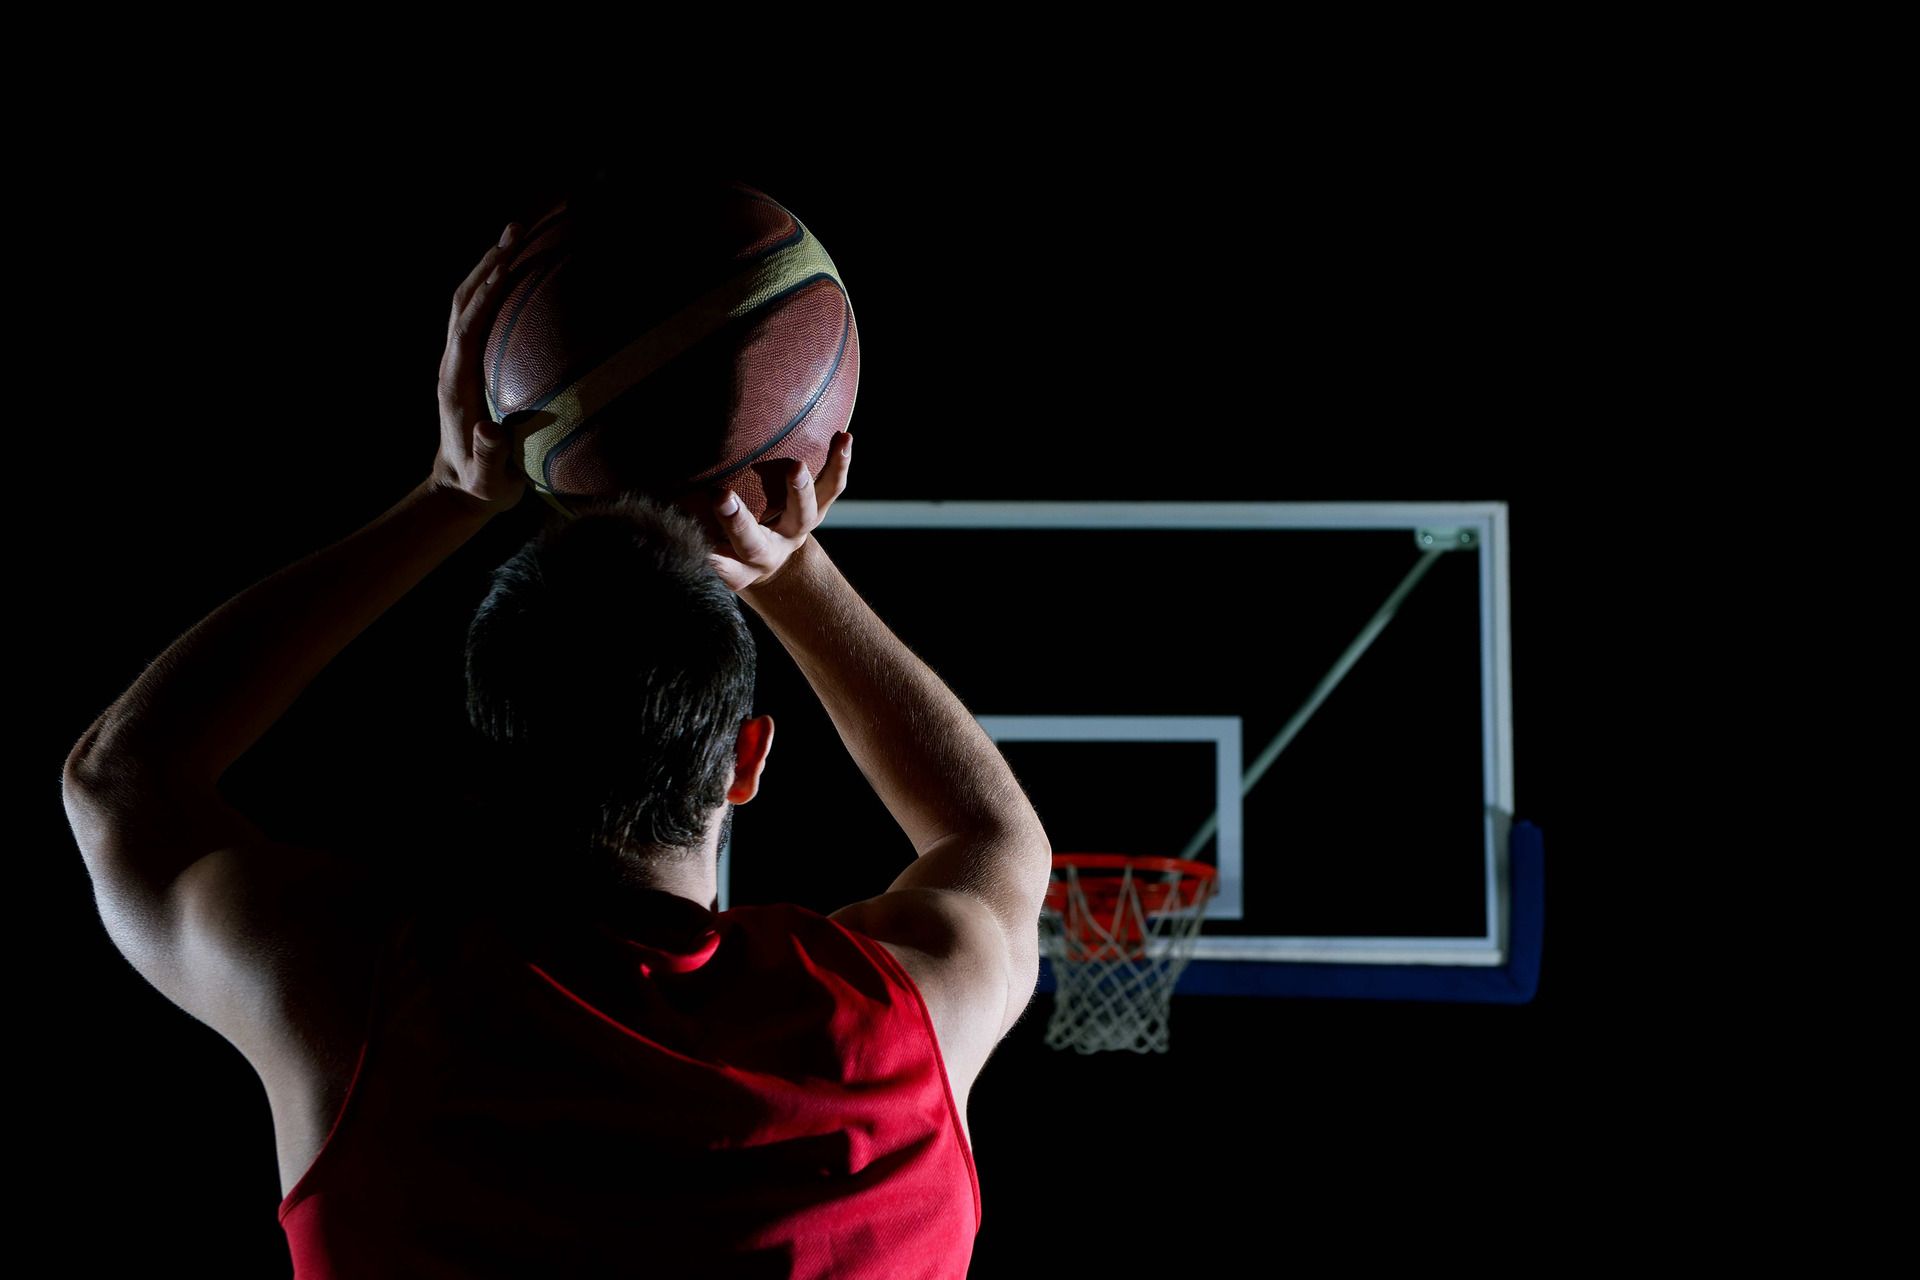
(758, 1092)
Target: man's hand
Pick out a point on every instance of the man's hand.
(761, 550)
(479, 459)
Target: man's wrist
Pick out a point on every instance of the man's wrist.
(792, 572)
(454, 502)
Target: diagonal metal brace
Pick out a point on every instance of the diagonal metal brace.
(1434, 543)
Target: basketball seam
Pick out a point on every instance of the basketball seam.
(813, 399)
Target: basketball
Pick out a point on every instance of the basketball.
(674, 337)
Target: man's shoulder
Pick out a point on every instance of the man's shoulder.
(843, 934)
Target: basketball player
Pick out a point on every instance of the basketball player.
(574, 1065)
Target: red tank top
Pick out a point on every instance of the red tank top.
(755, 1093)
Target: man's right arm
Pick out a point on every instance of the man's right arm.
(936, 770)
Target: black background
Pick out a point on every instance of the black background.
(1406, 315)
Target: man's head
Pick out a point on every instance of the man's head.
(610, 676)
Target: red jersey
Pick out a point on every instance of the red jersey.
(755, 1093)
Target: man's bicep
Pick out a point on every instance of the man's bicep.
(1007, 873)
(972, 965)
(1008, 870)
(251, 938)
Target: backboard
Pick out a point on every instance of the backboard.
(1315, 698)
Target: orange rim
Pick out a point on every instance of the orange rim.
(1102, 895)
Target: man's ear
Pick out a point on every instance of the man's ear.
(750, 757)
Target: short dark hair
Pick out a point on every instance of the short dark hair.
(609, 669)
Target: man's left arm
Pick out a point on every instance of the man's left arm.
(195, 895)
(158, 752)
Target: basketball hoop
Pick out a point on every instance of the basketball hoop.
(1119, 931)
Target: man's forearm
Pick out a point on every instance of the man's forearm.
(928, 759)
(217, 689)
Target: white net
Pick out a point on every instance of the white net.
(1118, 937)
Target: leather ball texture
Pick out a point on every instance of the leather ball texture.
(673, 338)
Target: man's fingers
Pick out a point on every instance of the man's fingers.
(803, 510)
(476, 277)
(833, 479)
(483, 273)
(483, 302)
(741, 529)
